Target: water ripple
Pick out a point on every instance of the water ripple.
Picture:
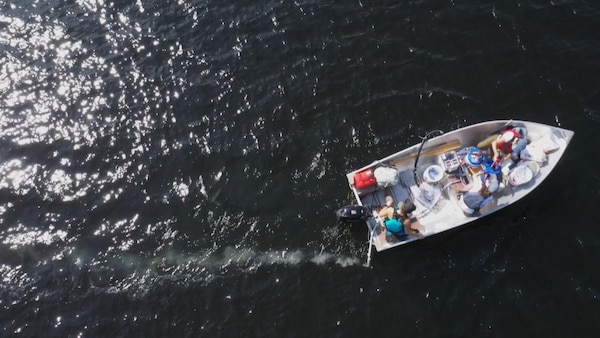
(151, 144)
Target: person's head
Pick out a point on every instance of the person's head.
(507, 137)
(408, 207)
(389, 201)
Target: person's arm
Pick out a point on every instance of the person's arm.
(495, 148)
(385, 212)
(466, 188)
(410, 230)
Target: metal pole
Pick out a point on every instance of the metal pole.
(370, 248)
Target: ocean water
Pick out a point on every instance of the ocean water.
(171, 168)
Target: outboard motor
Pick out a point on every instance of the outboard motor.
(352, 214)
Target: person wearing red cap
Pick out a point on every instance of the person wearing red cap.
(509, 144)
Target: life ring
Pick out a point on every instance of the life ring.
(474, 157)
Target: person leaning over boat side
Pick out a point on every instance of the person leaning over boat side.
(509, 144)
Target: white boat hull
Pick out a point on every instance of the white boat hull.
(443, 211)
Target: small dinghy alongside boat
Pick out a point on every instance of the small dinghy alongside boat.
(434, 174)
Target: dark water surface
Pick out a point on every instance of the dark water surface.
(171, 168)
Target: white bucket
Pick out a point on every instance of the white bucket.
(433, 174)
(520, 175)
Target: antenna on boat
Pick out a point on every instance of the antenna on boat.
(425, 138)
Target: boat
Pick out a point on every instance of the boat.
(434, 174)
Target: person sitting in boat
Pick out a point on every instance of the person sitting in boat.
(411, 226)
(479, 192)
(508, 144)
(398, 221)
(390, 217)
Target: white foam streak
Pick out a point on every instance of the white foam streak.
(251, 259)
(143, 274)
